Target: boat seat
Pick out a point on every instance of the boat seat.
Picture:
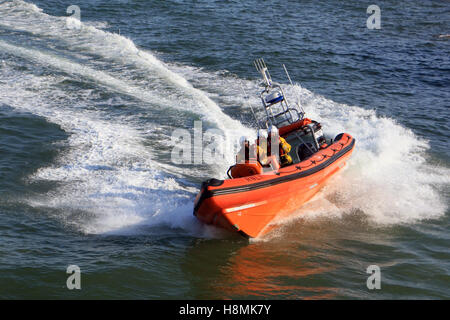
(304, 152)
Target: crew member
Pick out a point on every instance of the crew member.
(243, 154)
(284, 147)
(261, 147)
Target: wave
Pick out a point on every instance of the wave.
(389, 177)
(109, 176)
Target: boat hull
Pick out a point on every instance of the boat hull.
(249, 205)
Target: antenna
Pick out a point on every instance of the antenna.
(287, 73)
(260, 65)
(251, 108)
(292, 84)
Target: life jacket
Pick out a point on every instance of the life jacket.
(285, 148)
(253, 153)
(260, 150)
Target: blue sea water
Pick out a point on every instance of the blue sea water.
(87, 111)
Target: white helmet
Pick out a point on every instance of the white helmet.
(273, 130)
(242, 140)
(262, 133)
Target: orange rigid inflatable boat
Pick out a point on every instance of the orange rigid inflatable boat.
(256, 196)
